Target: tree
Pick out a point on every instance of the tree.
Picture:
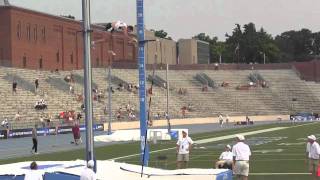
(247, 45)
(298, 45)
(218, 49)
(160, 33)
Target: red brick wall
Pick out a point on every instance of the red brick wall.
(5, 33)
(309, 71)
(49, 42)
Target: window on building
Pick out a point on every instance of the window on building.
(19, 30)
(28, 32)
(24, 61)
(58, 57)
(35, 34)
(40, 63)
(43, 34)
(71, 58)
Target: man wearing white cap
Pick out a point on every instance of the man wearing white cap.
(184, 146)
(88, 173)
(225, 159)
(313, 153)
(241, 155)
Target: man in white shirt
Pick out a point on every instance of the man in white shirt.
(88, 173)
(184, 146)
(313, 153)
(33, 174)
(241, 155)
(225, 159)
(220, 120)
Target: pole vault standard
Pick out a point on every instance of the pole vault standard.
(87, 80)
(142, 85)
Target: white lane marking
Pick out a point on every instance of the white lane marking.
(264, 151)
(203, 141)
(218, 139)
(277, 174)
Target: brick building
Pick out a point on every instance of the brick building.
(36, 40)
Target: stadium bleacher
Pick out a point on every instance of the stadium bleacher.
(286, 94)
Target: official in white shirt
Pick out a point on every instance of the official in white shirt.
(241, 155)
(312, 154)
(225, 159)
(33, 174)
(184, 146)
(88, 173)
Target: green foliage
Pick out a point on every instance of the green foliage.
(247, 45)
(160, 34)
(298, 45)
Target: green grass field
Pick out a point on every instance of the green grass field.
(281, 151)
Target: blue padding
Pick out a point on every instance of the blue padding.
(45, 166)
(59, 175)
(224, 175)
(174, 134)
(11, 177)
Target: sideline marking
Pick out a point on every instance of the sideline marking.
(277, 174)
(264, 151)
(203, 141)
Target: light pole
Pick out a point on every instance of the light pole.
(109, 90)
(167, 86)
(264, 57)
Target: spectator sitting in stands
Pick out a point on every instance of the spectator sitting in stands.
(183, 111)
(42, 121)
(71, 89)
(264, 84)
(17, 116)
(224, 84)
(67, 78)
(120, 87)
(111, 88)
(130, 87)
(14, 87)
(79, 97)
(40, 105)
(48, 120)
(165, 114)
(100, 96)
(70, 116)
(5, 123)
(150, 91)
(189, 108)
(62, 115)
(157, 116)
(251, 83)
(95, 90)
(128, 107)
(132, 116)
(82, 107)
(79, 116)
(119, 115)
(205, 88)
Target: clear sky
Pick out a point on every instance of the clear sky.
(185, 18)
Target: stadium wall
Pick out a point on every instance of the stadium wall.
(36, 40)
(309, 71)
